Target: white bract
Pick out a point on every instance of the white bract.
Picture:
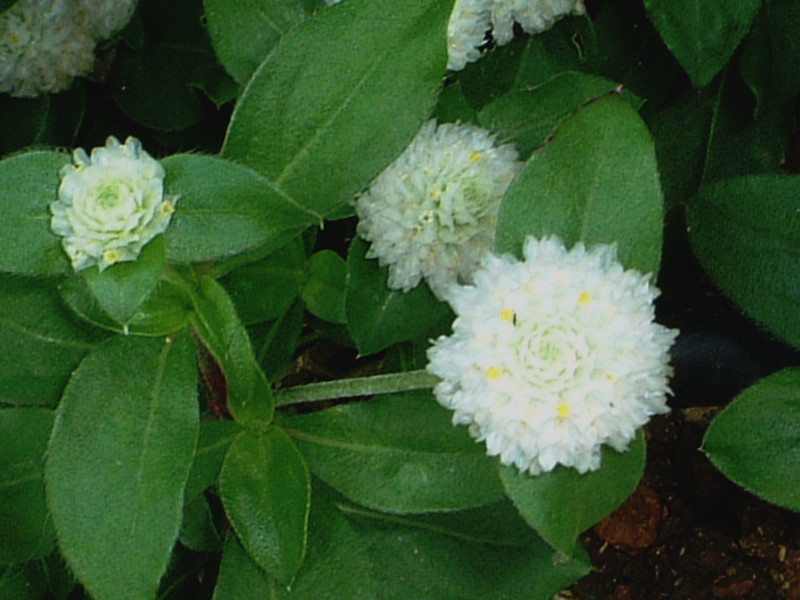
(43, 45)
(433, 212)
(472, 20)
(554, 356)
(110, 204)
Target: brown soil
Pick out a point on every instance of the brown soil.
(688, 533)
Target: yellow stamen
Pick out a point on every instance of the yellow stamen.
(611, 378)
(584, 298)
(111, 256)
(562, 410)
(507, 314)
(475, 156)
(493, 372)
(435, 193)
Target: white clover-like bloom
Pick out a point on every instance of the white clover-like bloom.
(44, 44)
(471, 20)
(432, 213)
(110, 204)
(107, 17)
(553, 356)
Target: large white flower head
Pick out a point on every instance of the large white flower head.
(106, 17)
(44, 44)
(433, 212)
(553, 356)
(110, 204)
(471, 20)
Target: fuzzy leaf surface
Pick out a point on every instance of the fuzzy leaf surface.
(118, 460)
(596, 181)
(225, 209)
(308, 118)
(398, 453)
(265, 489)
(561, 504)
(753, 441)
(746, 234)
(702, 34)
(25, 526)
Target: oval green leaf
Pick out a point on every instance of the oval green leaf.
(30, 184)
(746, 234)
(225, 209)
(309, 116)
(118, 461)
(122, 288)
(596, 181)
(702, 34)
(42, 342)
(261, 22)
(215, 321)
(527, 117)
(25, 526)
(398, 453)
(265, 489)
(754, 441)
(324, 286)
(561, 504)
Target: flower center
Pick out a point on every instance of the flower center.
(552, 355)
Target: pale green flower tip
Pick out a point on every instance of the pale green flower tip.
(554, 356)
(110, 204)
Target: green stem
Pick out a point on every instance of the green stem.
(390, 383)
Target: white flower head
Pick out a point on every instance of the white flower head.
(110, 204)
(471, 20)
(107, 17)
(432, 213)
(553, 356)
(44, 44)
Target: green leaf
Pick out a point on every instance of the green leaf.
(24, 582)
(30, 184)
(165, 311)
(324, 286)
(122, 288)
(276, 341)
(307, 119)
(398, 453)
(361, 555)
(265, 290)
(216, 323)
(198, 531)
(25, 526)
(596, 181)
(702, 34)
(754, 440)
(746, 234)
(561, 504)
(771, 52)
(158, 86)
(528, 117)
(261, 22)
(377, 316)
(42, 342)
(265, 489)
(225, 209)
(212, 446)
(118, 460)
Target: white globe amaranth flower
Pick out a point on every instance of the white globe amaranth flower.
(432, 213)
(110, 204)
(471, 20)
(44, 44)
(107, 17)
(553, 356)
